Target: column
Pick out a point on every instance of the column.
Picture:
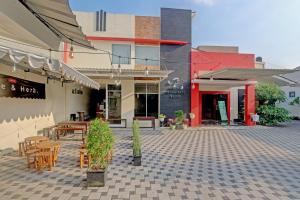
(195, 104)
(249, 104)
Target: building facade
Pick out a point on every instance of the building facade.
(140, 82)
(207, 91)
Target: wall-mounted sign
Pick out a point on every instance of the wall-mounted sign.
(175, 88)
(15, 87)
(77, 91)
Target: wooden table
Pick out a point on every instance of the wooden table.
(58, 130)
(86, 124)
(152, 119)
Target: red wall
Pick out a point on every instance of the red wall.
(211, 61)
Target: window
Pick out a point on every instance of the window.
(101, 21)
(123, 50)
(147, 52)
(292, 94)
(146, 99)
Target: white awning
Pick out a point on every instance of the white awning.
(51, 66)
(58, 16)
(125, 73)
(260, 75)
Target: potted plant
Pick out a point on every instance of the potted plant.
(100, 142)
(179, 120)
(161, 118)
(137, 153)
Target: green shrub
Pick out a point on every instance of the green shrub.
(179, 116)
(295, 101)
(271, 115)
(136, 139)
(100, 142)
(269, 94)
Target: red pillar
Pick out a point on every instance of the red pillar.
(249, 104)
(195, 104)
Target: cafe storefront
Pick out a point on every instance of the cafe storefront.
(37, 92)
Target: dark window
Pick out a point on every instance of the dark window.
(146, 99)
(292, 94)
(100, 21)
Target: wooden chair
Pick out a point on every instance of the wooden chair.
(56, 148)
(83, 157)
(44, 156)
(30, 151)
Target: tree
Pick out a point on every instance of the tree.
(268, 95)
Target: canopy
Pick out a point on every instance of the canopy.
(51, 66)
(260, 75)
(44, 23)
(58, 16)
(125, 73)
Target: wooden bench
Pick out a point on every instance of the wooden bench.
(152, 119)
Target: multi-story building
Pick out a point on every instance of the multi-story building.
(136, 80)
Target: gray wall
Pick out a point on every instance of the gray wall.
(176, 25)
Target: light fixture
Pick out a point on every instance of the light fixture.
(112, 75)
(14, 69)
(147, 71)
(50, 56)
(119, 69)
(43, 72)
(71, 51)
(195, 75)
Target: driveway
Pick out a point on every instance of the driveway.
(204, 163)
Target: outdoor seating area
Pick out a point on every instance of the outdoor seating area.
(40, 152)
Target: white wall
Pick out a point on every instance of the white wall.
(20, 117)
(117, 25)
(295, 109)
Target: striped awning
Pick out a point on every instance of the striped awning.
(46, 66)
(59, 18)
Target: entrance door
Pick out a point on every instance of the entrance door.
(114, 104)
(210, 108)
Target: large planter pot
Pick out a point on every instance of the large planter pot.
(96, 178)
(137, 160)
(180, 126)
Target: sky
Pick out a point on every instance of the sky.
(267, 28)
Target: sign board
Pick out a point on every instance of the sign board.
(223, 110)
(20, 88)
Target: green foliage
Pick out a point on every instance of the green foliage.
(161, 116)
(295, 101)
(179, 116)
(136, 139)
(100, 142)
(271, 115)
(269, 94)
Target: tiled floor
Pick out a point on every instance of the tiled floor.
(207, 163)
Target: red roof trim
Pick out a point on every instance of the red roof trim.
(137, 40)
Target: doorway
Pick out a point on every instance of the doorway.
(210, 111)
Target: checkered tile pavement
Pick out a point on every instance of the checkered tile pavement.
(208, 163)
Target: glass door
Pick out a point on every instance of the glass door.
(114, 104)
